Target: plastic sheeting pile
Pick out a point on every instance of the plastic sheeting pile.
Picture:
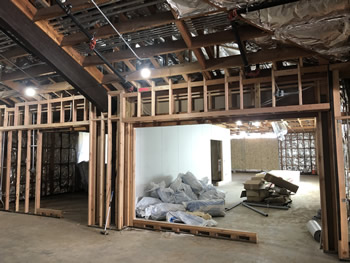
(186, 200)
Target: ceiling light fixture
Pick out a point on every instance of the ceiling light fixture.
(145, 73)
(239, 123)
(29, 91)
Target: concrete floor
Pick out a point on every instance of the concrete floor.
(282, 235)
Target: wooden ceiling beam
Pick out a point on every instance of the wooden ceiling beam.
(123, 27)
(12, 53)
(34, 71)
(172, 47)
(186, 36)
(55, 11)
(16, 17)
(222, 63)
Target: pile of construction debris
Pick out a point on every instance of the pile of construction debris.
(186, 200)
(267, 188)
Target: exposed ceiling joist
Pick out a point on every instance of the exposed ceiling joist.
(174, 46)
(15, 21)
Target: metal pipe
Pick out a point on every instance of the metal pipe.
(268, 206)
(255, 210)
(259, 6)
(67, 8)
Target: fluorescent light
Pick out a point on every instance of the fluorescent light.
(29, 91)
(238, 123)
(145, 73)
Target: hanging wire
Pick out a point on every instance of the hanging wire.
(120, 35)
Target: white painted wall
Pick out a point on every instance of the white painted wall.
(164, 152)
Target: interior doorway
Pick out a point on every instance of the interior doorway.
(216, 161)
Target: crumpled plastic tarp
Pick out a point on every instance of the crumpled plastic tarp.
(189, 219)
(159, 211)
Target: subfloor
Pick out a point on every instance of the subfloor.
(282, 235)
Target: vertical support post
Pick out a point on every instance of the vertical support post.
(205, 95)
(19, 159)
(300, 86)
(62, 112)
(102, 171)
(226, 92)
(132, 175)
(241, 94)
(127, 175)
(189, 96)
(8, 170)
(39, 149)
(120, 179)
(343, 238)
(86, 109)
(257, 95)
(273, 85)
(49, 112)
(74, 113)
(139, 101)
(109, 158)
(92, 167)
(153, 100)
(171, 98)
(38, 118)
(28, 161)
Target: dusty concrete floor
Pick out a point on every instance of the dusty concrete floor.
(282, 235)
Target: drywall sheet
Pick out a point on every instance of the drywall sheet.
(164, 152)
(254, 154)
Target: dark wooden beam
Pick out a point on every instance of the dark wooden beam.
(15, 52)
(123, 27)
(55, 11)
(39, 43)
(35, 71)
(174, 46)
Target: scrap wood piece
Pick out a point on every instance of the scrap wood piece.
(214, 232)
(280, 182)
(50, 212)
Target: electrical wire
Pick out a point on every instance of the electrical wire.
(119, 34)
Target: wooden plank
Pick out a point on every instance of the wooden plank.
(205, 95)
(300, 86)
(39, 149)
(62, 112)
(241, 97)
(127, 167)
(189, 97)
(8, 170)
(132, 214)
(18, 176)
(226, 93)
(171, 98)
(92, 168)
(139, 101)
(343, 238)
(273, 85)
(49, 112)
(49, 212)
(74, 111)
(321, 176)
(153, 100)
(198, 230)
(109, 159)
(215, 114)
(28, 160)
(120, 176)
(102, 173)
(257, 95)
